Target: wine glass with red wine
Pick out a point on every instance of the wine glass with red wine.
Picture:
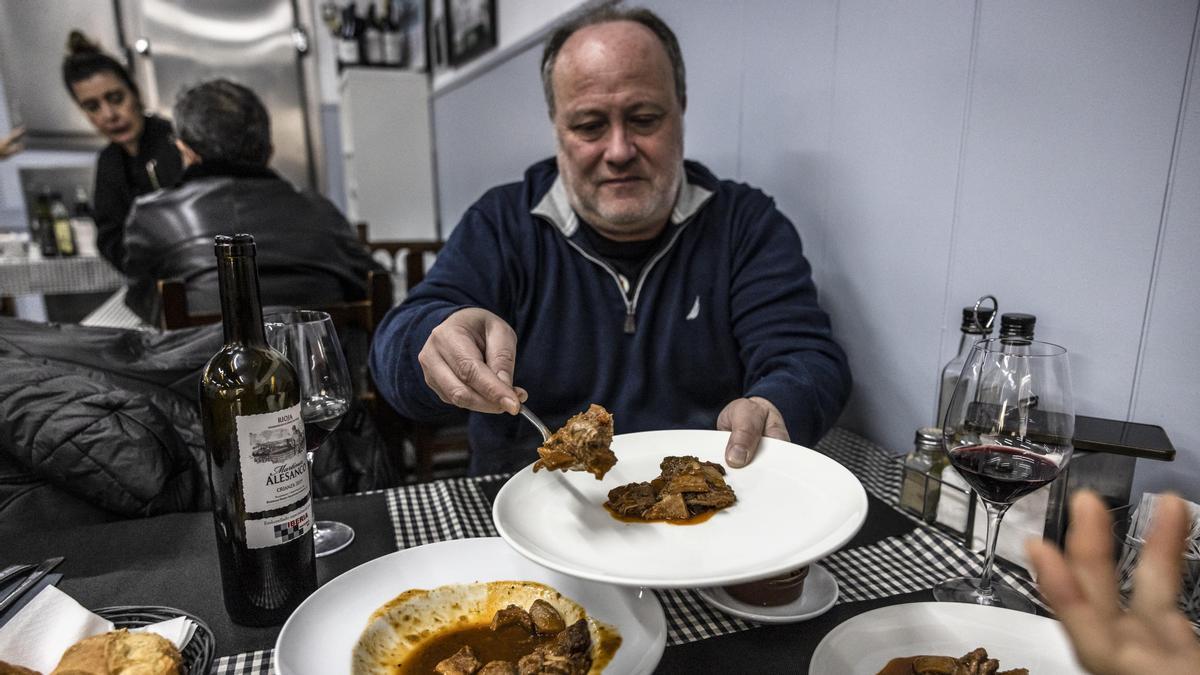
(1008, 432)
(309, 340)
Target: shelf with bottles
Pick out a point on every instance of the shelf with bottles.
(391, 37)
(57, 231)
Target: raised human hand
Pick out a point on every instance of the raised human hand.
(748, 420)
(11, 144)
(1152, 636)
(469, 359)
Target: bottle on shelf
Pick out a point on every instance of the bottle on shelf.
(349, 48)
(372, 36)
(923, 466)
(258, 467)
(976, 325)
(84, 224)
(64, 236)
(42, 226)
(394, 39)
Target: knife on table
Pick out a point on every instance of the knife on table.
(12, 571)
(40, 571)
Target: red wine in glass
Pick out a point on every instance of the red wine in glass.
(321, 417)
(1008, 432)
(1001, 473)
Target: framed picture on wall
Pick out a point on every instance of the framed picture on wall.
(470, 29)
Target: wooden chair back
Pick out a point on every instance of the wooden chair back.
(364, 314)
(429, 440)
(414, 259)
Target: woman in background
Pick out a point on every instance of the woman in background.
(141, 156)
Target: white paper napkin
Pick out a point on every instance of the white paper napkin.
(53, 621)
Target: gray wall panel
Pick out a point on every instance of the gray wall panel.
(1072, 117)
(1167, 392)
(897, 117)
(713, 55)
(785, 113)
(487, 132)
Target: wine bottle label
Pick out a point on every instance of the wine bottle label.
(374, 44)
(276, 530)
(392, 48)
(348, 51)
(273, 459)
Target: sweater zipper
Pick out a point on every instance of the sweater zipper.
(631, 303)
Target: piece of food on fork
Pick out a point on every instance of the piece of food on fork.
(582, 444)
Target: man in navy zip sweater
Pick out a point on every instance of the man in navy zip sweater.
(619, 274)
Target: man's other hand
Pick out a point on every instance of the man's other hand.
(748, 420)
(469, 360)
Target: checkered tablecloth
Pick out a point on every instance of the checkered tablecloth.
(114, 313)
(459, 508)
(58, 275)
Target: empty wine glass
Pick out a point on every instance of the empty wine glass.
(309, 340)
(1008, 432)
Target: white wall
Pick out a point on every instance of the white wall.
(931, 152)
(516, 21)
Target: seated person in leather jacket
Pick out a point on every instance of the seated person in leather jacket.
(307, 252)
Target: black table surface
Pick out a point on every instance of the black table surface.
(171, 561)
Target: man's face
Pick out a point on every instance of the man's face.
(111, 107)
(619, 129)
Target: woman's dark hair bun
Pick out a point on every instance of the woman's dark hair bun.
(78, 43)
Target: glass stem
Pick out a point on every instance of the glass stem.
(995, 512)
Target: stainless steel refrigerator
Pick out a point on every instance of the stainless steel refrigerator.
(170, 44)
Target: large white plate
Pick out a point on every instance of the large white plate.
(865, 643)
(320, 635)
(794, 506)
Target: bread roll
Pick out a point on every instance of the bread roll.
(121, 653)
(7, 668)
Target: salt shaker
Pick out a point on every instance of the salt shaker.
(923, 466)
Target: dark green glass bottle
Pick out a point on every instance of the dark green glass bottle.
(258, 466)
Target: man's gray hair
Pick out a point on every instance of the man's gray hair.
(224, 121)
(609, 14)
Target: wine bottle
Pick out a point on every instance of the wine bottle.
(372, 37)
(393, 36)
(64, 235)
(349, 38)
(84, 224)
(43, 226)
(258, 466)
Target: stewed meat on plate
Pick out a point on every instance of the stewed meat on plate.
(685, 489)
(974, 662)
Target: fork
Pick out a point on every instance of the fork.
(541, 426)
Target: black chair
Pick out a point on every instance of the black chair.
(430, 441)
